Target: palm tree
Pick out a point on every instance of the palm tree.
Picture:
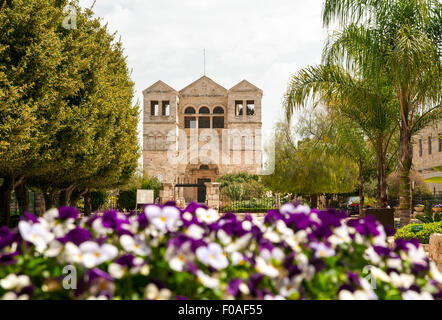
(367, 103)
(401, 41)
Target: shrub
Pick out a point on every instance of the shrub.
(423, 236)
(168, 253)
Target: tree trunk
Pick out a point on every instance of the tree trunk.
(49, 199)
(21, 193)
(381, 176)
(87, 203)
(405, 162)
(76, 196)
(65, 195)
(40, 205)
(361, 187)
(314, 200)
(5, 200)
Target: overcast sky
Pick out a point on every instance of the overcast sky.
(262, 41)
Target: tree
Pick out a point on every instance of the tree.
(401, 41)
(339, 136)
(78, 94)
(367, 103)
(303, 169)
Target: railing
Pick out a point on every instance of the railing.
(255, 205)
(428, 201)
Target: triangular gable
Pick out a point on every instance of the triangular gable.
(204, 86)
(159, 87)
(245, 86)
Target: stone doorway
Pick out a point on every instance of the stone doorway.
(202, 191)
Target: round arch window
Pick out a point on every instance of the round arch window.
(204, 110)
(189, 110)
(218, 110)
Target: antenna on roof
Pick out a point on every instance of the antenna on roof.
(204, 61)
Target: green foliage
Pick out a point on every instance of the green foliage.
(423, 236)
(241, 186)
(304, 169)
(127, 198)
(66, 113)
(99, 198)
(428, 217)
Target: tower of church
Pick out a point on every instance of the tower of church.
(201, 132)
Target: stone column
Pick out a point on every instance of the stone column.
(278, 200)
(435, 249)
(166, 194)
(212, 194)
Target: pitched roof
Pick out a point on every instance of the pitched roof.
(159, 86)
(204, 86)
(245, 86)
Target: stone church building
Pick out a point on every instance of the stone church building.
(193, 136)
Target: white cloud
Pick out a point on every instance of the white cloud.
(262, 41)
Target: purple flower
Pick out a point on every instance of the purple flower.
(7, 237)
(76, 236)
(126, 260)
(67, 213)
(8, 259)
(233, 287)
(30, 217)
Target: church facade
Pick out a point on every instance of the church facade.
(195, 135)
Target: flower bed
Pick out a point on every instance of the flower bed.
(168, 253)
(423, 236)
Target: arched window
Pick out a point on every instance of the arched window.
(189, 110)
(204, 110)
(218, 110)
(204, 167)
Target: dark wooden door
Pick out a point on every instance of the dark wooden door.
(202, 190)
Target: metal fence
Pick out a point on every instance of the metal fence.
(428, 201)
(255, 205)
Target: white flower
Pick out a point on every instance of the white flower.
(89, 253)
(372, 256)
(54, 249)
(36, 234)
(417, 255)
(379, 274)
(212, 255)
(395, 264)
(194, 231)
(207, 281)
(135, 244)
(277, 297)
(413, 295)
(239, 243)
(97, 298)
(435, 273)
(247, 225)
(163, 219)
(153, 293)
(287, 208)
(401, 280)
(207, 216)
(340, 236)
(266, 268)
(357, 295)
(322, 251)
(237, 258)
(14, 282)
(187, 216)
(13, 296)
(116, 270)
(302, 209)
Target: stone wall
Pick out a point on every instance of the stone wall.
(212, 194)
(435, 249)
